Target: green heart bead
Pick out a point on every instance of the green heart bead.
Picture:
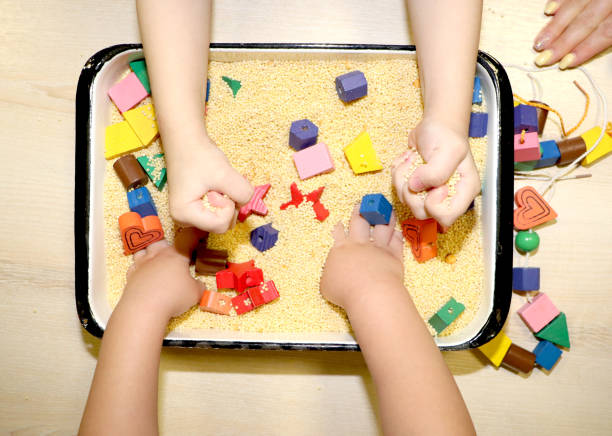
(527, 241)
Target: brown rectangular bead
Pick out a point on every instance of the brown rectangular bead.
(208, 262)
(519, 359)
(542, 116)
(130, 172)
(570, 149)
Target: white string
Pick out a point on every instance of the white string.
(561, 174)
(536, 87)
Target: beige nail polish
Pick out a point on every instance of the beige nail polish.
(551, 7)
(543, 58)
(567, 61)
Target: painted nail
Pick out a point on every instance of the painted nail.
(567, 61)
(543, 58)
(551, 8)
(540, 44)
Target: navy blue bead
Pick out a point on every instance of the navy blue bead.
(139, 196)
(264, 237)
(550, 154)
(476, 95)
(351, 86)
(478, 124)
(303, 133)
(525, 279)
(547, 354)
(525, 118)
(144, 209)
(376, 209)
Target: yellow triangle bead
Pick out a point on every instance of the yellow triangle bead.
(361, 155)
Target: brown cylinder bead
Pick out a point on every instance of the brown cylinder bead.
(519, 359)
(130, 172)
(570, 149)
(208, 261)
(542, 116)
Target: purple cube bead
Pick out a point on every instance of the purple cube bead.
(478, 124)
(264, 237)
(547, 354)
(525, 118)
(351, 86)
(525, 279)
(303, 133)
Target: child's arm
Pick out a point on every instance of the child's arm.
(416, 391)
(446, 37)
(176, 37)
(123, 396)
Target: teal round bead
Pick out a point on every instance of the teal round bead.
(527, 241)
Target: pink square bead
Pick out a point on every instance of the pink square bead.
(539, 312)
(313, 160)
(127, 93)
(529, 149)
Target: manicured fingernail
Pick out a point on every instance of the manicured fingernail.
(540, 44)
(551, 8)
(416, 185)
(543, 58)
(567, 61)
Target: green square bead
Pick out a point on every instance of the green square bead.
(446, 315)
(525, 166)
(139, 68)
(150, 165)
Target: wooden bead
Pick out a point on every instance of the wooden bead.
(496, 349)
(538, 313)
(208, 262)
(519, 359)
(542, 116)
(570, 149)
(527, 241)
(130, 172)
(532, 209)
(556, 331)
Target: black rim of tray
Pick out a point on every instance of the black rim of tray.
(502, 292)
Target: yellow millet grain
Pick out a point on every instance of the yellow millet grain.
(253, 131)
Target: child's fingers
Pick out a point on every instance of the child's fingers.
(338, 233)
(382, 233)
(396, 245)
(436, 171)
(596, 42)
(563, 17)
(415, 203)
(195, 214)
(236, 187)
(359, 228)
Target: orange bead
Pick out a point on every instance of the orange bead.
(138, 233)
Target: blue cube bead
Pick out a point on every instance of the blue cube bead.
(139, 196)
(547, 354)
(478, 124)
(351, 86)
(264, 237)
(144, 209)
(525, 118)
(550, 154)
(303, 133)
(207, 89)
(376, 209)
(476, 95)
(525, 279)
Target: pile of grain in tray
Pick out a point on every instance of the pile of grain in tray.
(252, 129)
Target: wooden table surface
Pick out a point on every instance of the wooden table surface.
(47, 360)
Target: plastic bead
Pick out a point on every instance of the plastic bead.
(527, 241)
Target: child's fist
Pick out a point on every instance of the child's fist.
(202, 169)
(444, 152)
(364, 259)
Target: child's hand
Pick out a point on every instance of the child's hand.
(362, 261)
(444, 151)
(202, 169)
(579, 30)
(159, 280)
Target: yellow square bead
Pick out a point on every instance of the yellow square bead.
(603, 148)
(496, 349)
(142, 121)
(361, 155)
(120, 139)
